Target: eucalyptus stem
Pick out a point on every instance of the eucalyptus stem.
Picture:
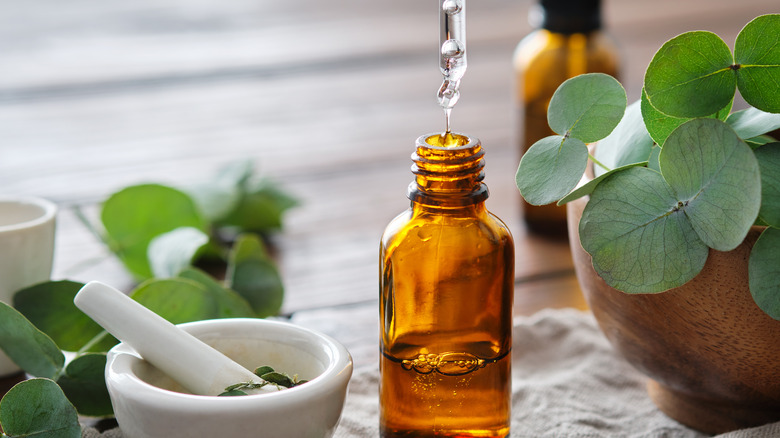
(597, 162)
(91, 343)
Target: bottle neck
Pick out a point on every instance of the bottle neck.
(570, 16)
(449, 171)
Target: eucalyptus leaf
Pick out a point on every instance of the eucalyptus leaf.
(588, 187)
(178, 300)
(757, 53)
(253, 274)
(85, 385)
(716, 179)
(173, 251)
(587, 107)
(752, 122)
(691, 76)
(38, 408)
(652, 163)
(638, 240)
(28, 347)
(551, 168)
(135, 215)
(628, 143)
(230, 303)
(764, 270)
(218, 197)
(660, 125)
(261, 208)
(49, 306)
(757, 142)
(768, 157)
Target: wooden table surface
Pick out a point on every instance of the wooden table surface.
(326, 97)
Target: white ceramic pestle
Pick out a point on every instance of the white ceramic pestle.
(189, 361)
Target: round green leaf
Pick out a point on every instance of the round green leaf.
(38, 408)
(757, 52)
(50, 307)
(587, 107)
(764, 270)
(173, 251)
(751, 122)
(551, 168)
(220, 196)
(230, 303)
(629, 143)
(691, 76)
(638, 241)
(716, 179)
(588, 187)
(261, 208)
(254, 276)
(660, 125)
(27, 346)
(85, 385)
(768, 157)
(134, 216)
(176, 299)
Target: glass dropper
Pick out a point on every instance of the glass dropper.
(452, 53)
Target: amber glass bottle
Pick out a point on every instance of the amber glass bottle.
(569, 42)
(446, 285)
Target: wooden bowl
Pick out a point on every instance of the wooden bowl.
(712, 355)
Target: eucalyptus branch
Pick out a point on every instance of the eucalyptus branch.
(597, 162)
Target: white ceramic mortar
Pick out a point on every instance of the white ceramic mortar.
(148, 404)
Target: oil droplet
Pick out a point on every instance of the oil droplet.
(451, 7)
(452, 49)
(424, 235)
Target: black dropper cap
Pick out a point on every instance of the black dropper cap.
(571, 16)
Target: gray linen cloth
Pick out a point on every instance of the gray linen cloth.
(566, 382)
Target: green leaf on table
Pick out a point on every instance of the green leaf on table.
(764, 270)
(768, 157)
(31, 349)
(691, 76)
(135, 215)
(587, 188)
(628, 143)
(660, 125)
(230, 303)
(173, 251)
(49, 306)
(716, 179)
(587, 107)
(253, 274)
(260, 208)
(177, 300)
(757, 53)
(38, 408)
(551, 168)
(218, 197)
(752, 122)
(85, 385)
(638, 241)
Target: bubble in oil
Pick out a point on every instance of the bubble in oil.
(424, 235)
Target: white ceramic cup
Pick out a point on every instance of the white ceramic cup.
(26, 250)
